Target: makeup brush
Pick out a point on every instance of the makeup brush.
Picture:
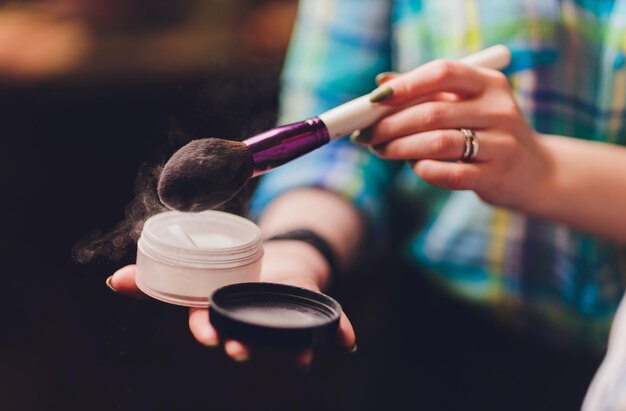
(208, 172)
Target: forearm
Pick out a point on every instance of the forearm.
(325, 213)
(586, 187)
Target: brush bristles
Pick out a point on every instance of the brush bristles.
(205, 174)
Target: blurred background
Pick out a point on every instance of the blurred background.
(91, 91)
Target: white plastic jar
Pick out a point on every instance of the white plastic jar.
(183, 257)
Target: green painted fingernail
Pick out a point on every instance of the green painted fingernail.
(353, 349)
(355, 135)
(376, 150)
(381, 94)
(362, 136)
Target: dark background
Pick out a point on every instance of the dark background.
(71, 147)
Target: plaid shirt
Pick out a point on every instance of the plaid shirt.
(568, 74)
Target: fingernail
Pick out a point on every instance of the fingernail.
(381, 94)
(211, 343)
(109, 283)
(241, 358)
(362, 136)
(353, 349)
(376, 150)
(381, 76)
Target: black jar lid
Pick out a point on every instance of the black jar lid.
(268, 314)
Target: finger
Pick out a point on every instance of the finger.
(123, 281)
(304, 358)
(450, 176)
(432, 115)
(439, 145)
(382, 78)
(433, 77)
(236, 350)
(201, 327)
(345, 335)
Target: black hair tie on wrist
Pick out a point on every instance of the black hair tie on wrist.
(314, 239)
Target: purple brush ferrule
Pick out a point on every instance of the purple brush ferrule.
(282, 144)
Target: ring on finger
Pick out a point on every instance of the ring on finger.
(471, 146)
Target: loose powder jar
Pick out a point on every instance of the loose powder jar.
(183, 257)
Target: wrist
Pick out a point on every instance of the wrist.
(295, 262)
(557, 188)
(313, 239)
(540, 194)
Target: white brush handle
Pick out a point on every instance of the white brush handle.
(361, 113)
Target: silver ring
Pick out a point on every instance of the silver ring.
(470, 150)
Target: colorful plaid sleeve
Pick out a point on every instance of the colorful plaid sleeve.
(337, 49)
(568, 76)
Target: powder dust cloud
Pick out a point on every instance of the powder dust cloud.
(117, 243)
(217, 110)
(114, 245)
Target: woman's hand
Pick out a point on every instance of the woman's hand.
(287, 262)
(441, 97)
